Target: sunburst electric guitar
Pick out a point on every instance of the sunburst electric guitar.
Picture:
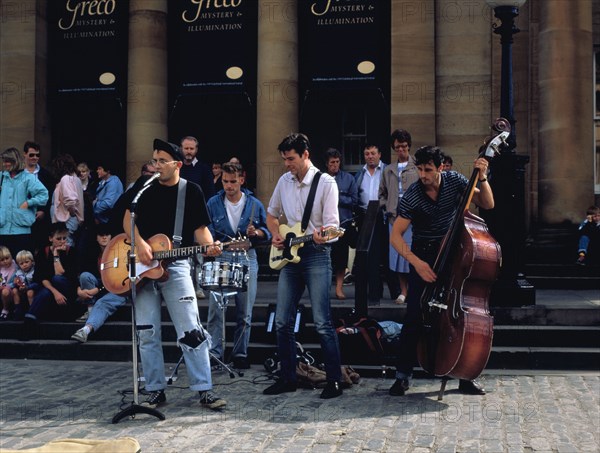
(293, 241)
(114, 268)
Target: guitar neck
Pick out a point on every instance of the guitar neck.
(182, 252)
(307, 238)
(301, 240)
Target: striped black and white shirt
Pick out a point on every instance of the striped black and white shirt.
(431, 219)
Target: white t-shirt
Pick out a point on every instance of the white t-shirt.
(234, 211)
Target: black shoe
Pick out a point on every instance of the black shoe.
(399, 388)
(279, 387)
(155, 398)
(333, 389)
(470, 387)
(241, 363)
(210, 400)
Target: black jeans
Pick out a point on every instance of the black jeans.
(413, 322)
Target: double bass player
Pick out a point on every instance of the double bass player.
(429, 205)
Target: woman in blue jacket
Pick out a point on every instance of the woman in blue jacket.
(21, 195)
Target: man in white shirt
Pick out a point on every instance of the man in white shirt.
(314, 268)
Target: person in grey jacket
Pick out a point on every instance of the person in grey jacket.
(395, 179)
(21, 195)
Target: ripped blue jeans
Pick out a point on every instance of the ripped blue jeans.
(180, 298)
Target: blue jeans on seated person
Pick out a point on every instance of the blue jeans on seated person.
(180, 298)
(313, 271)
(87, 280)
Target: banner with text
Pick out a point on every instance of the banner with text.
(88, 43)
(344, 43)
(213, 46)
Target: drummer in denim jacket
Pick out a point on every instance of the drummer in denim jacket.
(235, 212)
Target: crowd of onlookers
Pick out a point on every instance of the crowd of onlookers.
(49, 220)
(56, 220)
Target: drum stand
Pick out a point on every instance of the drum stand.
(135, 407)
(223, 306)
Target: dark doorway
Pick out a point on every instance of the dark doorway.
(92, 128)
(346, 120)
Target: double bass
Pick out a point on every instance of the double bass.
(457, 333)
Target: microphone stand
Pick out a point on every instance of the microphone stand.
(135, 407)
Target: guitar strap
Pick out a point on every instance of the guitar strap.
(177, 237)
(310, 201)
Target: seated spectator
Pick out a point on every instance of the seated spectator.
(589, 237)
(8, 268)
(23, 286)
(101, 303)
(90, 284)
(56, 273)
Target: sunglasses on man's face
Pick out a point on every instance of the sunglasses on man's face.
(33, 155)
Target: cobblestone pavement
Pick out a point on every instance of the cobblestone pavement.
(523, 411)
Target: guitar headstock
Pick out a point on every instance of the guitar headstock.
(237, 245)
(332, 233)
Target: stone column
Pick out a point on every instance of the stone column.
(566, 186)
(23, 60)
(277, 95)
(463, 76)
(413, 70)
(147, 83)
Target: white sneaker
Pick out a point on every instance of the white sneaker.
(81, 335)
(401, 299)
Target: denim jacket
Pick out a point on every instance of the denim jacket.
(220, 227)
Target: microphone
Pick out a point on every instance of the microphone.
(152, 178)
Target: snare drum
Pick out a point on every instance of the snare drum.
(220, 276)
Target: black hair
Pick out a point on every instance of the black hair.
(296, 141)
(402, 136)
(29, 144)
(429, 153)
(333, 153)
(57, 227)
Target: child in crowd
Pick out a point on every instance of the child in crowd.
(8, 268)
(23, 286)
(589, 235)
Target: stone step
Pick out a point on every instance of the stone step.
(513, 357)
(504, 335)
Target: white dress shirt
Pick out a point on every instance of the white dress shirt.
(290, 198)
(370, 185)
